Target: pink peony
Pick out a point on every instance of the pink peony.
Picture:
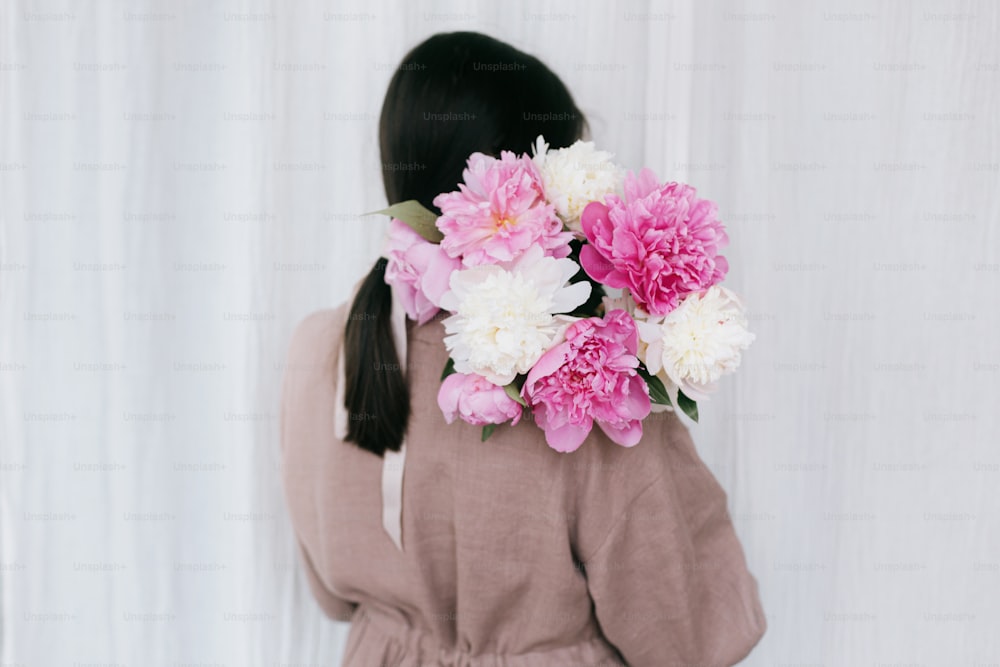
(589, 377)
(418, 270)
(476, 400)
(499, 212)
(661, 243)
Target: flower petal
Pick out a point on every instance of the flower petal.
(568, 437)
(626, 434)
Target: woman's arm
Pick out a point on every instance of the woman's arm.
(336, 608)
(669, 580)
(309, 364)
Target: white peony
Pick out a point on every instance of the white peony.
(697, 342)
(505, 317)
(575, 176)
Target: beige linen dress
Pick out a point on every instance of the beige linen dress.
(514, 555)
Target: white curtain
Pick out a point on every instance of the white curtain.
(180, 183)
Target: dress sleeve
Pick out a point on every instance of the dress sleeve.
(306, 369)
(670, 582)
(336, 608)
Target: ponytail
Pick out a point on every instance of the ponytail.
(376, 395)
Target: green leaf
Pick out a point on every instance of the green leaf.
(689, 407)
(657, 392)
(515, 393)
(416, 216)
(449, 368)
(488, 431)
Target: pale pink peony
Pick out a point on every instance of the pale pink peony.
(418, 270)
(590, 376)
(661, 242)
(499, 212)
(476, 400)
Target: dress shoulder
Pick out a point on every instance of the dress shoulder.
(316, 336)
(608, 477)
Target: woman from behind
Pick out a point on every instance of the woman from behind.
(503, 552)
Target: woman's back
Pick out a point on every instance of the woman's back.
(515, 554)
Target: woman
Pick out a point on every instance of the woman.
(502, 552)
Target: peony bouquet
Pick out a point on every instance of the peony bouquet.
(571, 290)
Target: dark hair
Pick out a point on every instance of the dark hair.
(453, 94)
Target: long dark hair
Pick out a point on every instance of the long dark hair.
(452, 95)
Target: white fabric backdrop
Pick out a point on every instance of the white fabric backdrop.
(180, 183)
